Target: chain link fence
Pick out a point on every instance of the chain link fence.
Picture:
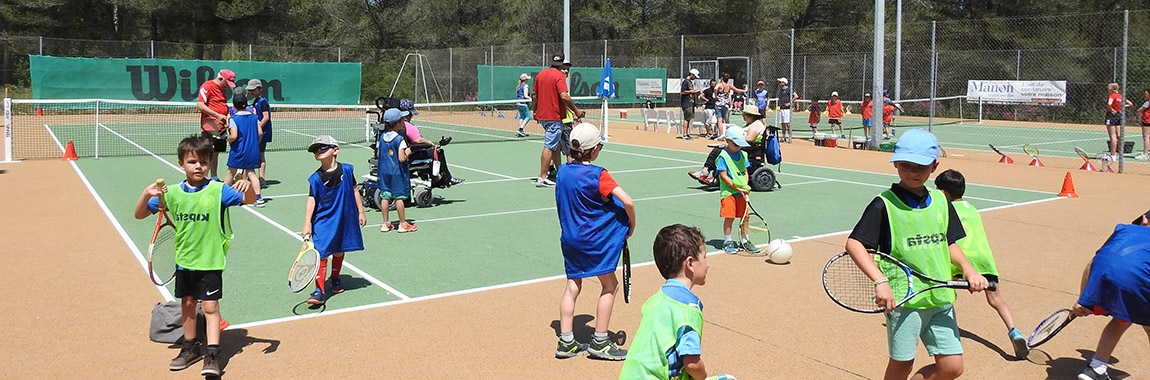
(1086, 50)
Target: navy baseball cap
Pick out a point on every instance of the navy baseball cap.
(407, 105)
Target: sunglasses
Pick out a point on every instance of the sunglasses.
(324, 148)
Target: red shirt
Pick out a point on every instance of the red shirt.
(887, 113)
(867, 109)
(213, 97)
(835, 109)
(1115, 102)
(548, 85)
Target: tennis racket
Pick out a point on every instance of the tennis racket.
(305, 267)
(626, 273)
(849, 287)
(1049, 327)
(1030, 150)
(760, 228)
(1082, 154)
(162, 248)
(996, 150)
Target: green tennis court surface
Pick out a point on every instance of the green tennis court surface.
(494, 231)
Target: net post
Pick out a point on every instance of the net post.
(8, 130)
(97, 135)
(980, 109)
(603, 119)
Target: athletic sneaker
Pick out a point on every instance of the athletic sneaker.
(749, 246)
(455, 181)
(263, 183)
(543, 182)
(316, 297)
(1142, 156)
(520, 133)
(211, 362)
(190, 353)
(570, 349)
(730, 247)
(606, 350)
(385, 227)
(1021, 350)
(261, 202)
(336, 286)
(407, 227)
(700, 175)
(1089, 374)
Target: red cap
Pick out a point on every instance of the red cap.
(229, 76)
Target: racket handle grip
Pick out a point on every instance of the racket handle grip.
(159, 182)
(993, 287)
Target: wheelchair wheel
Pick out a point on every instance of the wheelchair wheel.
(763, 179)
(423, 198)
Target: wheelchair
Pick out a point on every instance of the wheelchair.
(423, 166)
(759, 175)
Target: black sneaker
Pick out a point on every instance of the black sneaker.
(211, 362)
(316, 298)
(570, 349)
(1089, 374)
(190, 353)
(336, 286)
(520, 133)
(263, 183)
(606, 350)
(455, 181)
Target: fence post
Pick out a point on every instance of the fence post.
(682, 57)
(1125, 61)
(980, 109)
(863, 76)
(249, 52)
(604, 61)
(898, 52)
(933, 77)
(339, 53)
(791, 75)
(877, 74)
(151, 48)
(451, 75)
(41, 45)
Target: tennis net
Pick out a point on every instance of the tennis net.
(37, 129)
(915, 113)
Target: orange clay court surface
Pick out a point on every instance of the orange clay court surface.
(79, 302)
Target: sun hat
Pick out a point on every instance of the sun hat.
(695, 72)
(408, 106)
(784, 80)
(752, 109)
(524, 76)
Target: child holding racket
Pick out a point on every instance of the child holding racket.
(199, 209)
(917, 226)
(394, 181)
(977, 250)
(596, 217)
(668, 342)
(731, 166)
(1115, 284)
(244, 134)
(333, 214)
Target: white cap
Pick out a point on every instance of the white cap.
(834, 93)
(524, 76)
(784, 80)
(586, 135)
(695, 72)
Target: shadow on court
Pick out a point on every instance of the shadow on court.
(233, 342)
(1001, 352)
(1068, 368)
(584, 330)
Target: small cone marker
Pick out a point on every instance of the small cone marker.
(1005, 160)
(1087, 166)
(1037, 163)
(70, 152)
(1068, 187)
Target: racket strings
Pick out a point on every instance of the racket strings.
(848, 285)
(1049, 327)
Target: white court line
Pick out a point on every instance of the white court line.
(259, 215)
(450, 165)
(534, 281)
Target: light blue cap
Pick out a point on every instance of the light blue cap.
(735, 134)
(393, 115)
(917, 146)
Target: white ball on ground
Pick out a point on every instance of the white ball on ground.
(779, 251)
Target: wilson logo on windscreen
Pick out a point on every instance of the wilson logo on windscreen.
(163, 83)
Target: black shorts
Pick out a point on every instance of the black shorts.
(835, 121)
(263, 146)
(200, 284)
(1113, 118)
(218, 145)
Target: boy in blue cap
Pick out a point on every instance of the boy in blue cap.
(909, 209)
(731, 167)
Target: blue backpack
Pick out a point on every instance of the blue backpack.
(773, 155)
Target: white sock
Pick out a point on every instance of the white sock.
(1098, 365)
(727, 237)
(600, 335)
(567, 337)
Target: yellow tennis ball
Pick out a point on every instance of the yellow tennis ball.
(779, 251)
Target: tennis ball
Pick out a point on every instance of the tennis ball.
(779, 251)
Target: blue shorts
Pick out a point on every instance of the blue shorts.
(524, 112)
(937, 327)
(552, 133)
(723, 112)
(866, 123)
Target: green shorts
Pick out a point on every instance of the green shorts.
(937, 327)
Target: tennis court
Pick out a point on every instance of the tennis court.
(485, 262)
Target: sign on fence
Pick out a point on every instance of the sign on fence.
(583, 82)
(176, 80)
(1037, 92)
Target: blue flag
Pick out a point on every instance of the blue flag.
(607, 84)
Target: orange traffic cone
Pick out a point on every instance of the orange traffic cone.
(70, 152)
(1087, 166)
(1006, 160)
(39, 112)
(1068, 187)
(224, 324)
(1037, 163)
(1108, 169)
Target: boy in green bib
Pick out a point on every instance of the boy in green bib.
(896, 222)
(667, 344)
(977, 250)
(199, 208)
(731, 166)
